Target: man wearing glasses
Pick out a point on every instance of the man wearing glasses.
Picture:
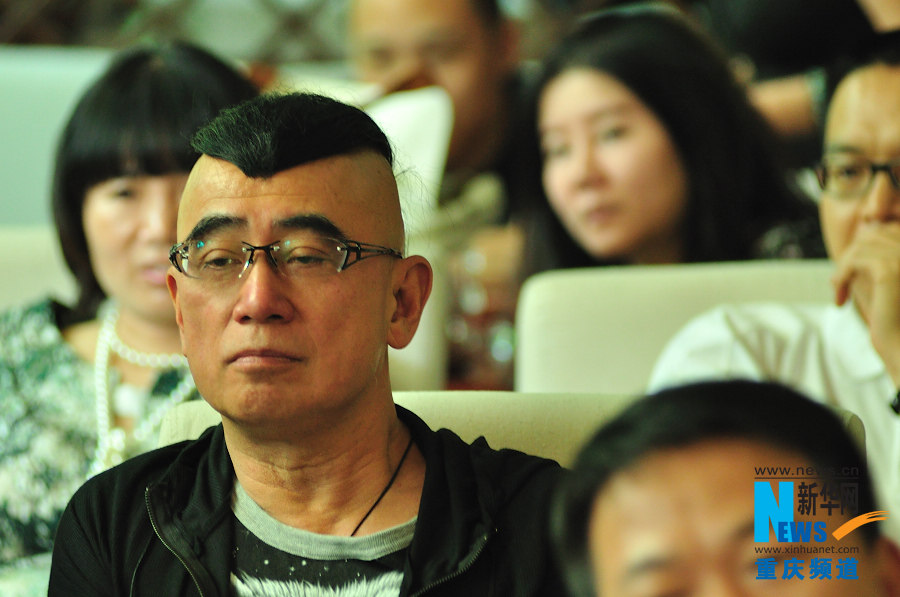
(289, 284)
(846, 354)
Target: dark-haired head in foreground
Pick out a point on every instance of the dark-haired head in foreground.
(661, 500)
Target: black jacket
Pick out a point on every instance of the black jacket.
(161, 524)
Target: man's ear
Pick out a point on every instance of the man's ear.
(172, 285)
(411, 286)
(887, 555)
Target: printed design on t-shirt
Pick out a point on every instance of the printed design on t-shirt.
(384, 585)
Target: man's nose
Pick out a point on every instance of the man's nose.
(263, 292)
(882, 201)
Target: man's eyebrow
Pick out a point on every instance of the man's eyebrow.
(841, 148)
(654, 562)
(648, 565)
(214, 223)
(315, 222)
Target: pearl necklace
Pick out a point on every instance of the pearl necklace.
(143, 359)
(113, 442)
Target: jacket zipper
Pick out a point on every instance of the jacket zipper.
(166, 545)
(484, 541)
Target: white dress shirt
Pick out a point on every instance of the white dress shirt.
(821, 350)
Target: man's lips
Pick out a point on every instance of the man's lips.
(262, 355)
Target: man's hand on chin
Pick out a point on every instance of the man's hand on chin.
(869, 274)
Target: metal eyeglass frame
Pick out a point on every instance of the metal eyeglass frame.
(347, 246)
(874, 168)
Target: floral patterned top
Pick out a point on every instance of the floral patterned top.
(48, 426)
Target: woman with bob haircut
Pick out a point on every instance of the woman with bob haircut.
(83, 387)
(650, 152)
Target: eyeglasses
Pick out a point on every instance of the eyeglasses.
(849, 178)
(222, 262)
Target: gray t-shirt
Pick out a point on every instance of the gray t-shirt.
(273, 559)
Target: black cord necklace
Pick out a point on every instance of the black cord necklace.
(386, 487)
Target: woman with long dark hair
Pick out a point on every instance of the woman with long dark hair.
(650, 152)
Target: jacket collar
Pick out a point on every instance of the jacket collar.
(466, 488)
(461, 498)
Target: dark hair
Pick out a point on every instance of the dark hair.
(880, 49)
(275, 132)
(764, 412)
(137, 119)
(489, 10)
(738, 189)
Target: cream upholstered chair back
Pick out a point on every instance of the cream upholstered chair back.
(32, 266)
(601, 329)
(550, 425)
